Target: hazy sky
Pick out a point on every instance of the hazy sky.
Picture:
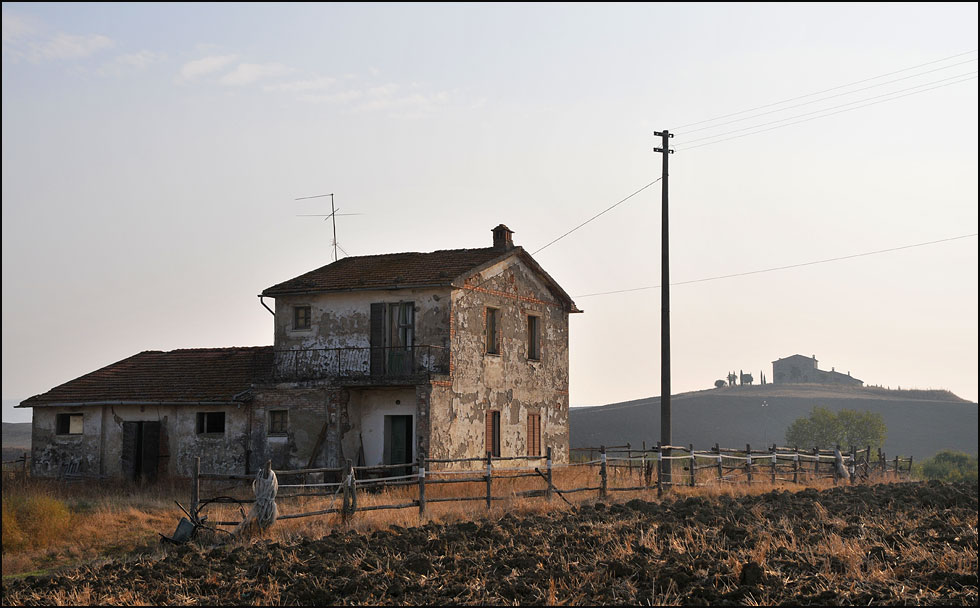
(152, 155)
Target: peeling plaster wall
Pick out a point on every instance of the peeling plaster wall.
(51, 452)
(508, 382)
(343, 320)
(219, 452)
(367, 409)
(99, 449)
(309, 409)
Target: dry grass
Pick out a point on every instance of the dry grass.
(49, 525)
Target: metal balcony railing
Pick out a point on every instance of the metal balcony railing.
(360, 363)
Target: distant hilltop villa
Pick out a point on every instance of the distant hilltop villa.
(797, 369)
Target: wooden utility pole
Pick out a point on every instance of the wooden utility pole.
(665, 435)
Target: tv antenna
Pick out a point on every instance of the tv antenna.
(332, 216)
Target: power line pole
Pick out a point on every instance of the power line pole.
(665, 438)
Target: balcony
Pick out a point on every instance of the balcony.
(369, 364)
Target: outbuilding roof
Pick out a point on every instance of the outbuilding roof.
(193, 375)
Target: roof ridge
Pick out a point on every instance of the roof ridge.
(205, 348)
(382, 255)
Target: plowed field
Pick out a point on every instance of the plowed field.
(908, 543)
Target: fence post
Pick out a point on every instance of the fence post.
(350, 500)
(693, 465)
(602, 472)
(910, 468)
(816, 462)
(837, 464)
(660, 468)
(796, 464)
(647, 471)
(896, 466)
(852, 469)
(196, 486)
(489, 478)
(772, 465)
(867, 464)
(421, 486)
(748, 462)
(629, 460)
(548, 491)
(721, 472)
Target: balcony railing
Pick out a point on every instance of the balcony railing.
(381, 363)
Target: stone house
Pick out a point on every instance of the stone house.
(376, 359)
(798, 369)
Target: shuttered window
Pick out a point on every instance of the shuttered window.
(534, 434)
(493, 433)
(492, 331)
(533, 338)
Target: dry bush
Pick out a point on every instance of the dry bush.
(48, 523)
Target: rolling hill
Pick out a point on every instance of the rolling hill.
(920, 423)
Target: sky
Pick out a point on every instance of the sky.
(152, 155)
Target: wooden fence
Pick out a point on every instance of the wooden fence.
(689, 467)
(20, 466)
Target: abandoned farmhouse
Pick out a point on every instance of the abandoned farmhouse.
(375, 359)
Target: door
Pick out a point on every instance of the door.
(140, 450)
(398, 442)
(392, 338)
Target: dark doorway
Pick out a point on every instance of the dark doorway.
(398, 442)
(141, 450)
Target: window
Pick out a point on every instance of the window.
(210, 422)
(301, 317)
(69, 424)
(401, 324)
(277, 422)
(534, 434)
(493, 331)
(533, 338)
(493, 433)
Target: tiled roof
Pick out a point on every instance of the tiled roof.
(192, 375)
(390, 270)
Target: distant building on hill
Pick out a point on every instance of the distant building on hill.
(798, 369)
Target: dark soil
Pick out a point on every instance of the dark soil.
(910, 543)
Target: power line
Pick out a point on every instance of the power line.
(742, 274)
(806, 103)
(610, 208)
(598, 214)
(824, 115)
(824, 91)
(850, 103)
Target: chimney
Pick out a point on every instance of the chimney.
(502, 238)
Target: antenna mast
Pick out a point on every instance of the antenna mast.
(333, 218)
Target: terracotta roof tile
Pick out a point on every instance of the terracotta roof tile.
(192, 375)
(390, 270)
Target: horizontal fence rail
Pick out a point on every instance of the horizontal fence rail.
(635, 467)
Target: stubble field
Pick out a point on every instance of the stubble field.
(897, 543)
